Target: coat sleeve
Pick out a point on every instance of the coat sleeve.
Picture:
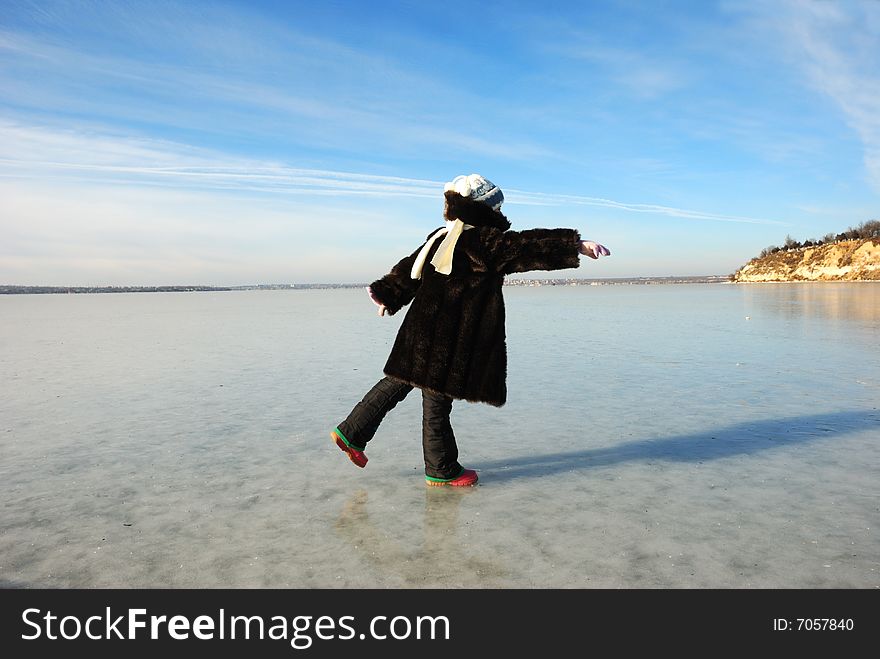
(535, 249)
(397, 289)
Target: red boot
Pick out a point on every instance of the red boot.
(465, 478)
(356, 455)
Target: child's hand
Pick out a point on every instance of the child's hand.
(376, 302)
(593, 250)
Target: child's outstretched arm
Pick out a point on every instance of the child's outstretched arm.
(541, 249)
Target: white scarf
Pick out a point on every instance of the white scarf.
(442, 260)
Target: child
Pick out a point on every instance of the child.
(451, 343)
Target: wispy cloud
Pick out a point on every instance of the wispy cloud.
(614, 63)
(537, 198)
(66, 154)
(212, 74)
(837, 45)
(641, 76)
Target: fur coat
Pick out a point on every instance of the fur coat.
(452, 340)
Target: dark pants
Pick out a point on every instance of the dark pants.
(438, 440)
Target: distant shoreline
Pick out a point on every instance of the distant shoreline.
(40, 290)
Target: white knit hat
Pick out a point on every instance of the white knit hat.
(477, 188)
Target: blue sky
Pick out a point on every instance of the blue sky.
(234, 143)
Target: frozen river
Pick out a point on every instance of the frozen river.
(654, 437)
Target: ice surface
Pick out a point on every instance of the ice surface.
(654, 437)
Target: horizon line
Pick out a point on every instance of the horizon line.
(344, 284)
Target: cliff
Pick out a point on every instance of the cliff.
(847, 260)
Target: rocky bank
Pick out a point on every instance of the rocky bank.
(847, 260)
